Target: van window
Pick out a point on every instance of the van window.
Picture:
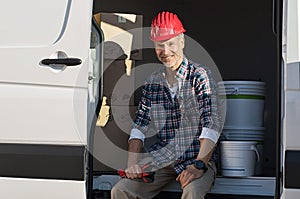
(41, 26)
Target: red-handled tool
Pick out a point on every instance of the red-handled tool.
(147, 177)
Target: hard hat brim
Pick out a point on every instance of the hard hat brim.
(165, 37)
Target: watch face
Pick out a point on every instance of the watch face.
(199, 164)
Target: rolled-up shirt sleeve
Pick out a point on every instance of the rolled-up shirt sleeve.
(209, 113)
(142, 120)
(211, 134)
(136, 134)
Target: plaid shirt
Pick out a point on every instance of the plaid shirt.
(177, 122)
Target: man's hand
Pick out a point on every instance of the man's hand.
(136, 172)
(133, 172)
(188, 175)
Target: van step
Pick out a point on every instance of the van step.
(255, 186)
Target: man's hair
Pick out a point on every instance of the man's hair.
(180, 36)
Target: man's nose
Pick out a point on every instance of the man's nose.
(165, 49)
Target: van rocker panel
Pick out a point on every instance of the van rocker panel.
(42, 161)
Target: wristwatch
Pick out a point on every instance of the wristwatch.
(199, 164)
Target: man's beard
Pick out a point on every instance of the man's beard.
(173, 63)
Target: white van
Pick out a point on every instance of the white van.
(51, 88)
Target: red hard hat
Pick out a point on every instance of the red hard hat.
(165, 25)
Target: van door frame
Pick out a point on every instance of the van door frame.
(89, 165)
(277, 29)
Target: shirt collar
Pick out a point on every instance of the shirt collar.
(182, 71)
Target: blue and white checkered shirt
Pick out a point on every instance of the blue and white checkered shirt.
(178, 121)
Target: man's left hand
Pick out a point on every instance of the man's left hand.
(188, 175)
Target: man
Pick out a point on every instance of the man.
(179, 104)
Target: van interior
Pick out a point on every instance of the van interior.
(244, 41)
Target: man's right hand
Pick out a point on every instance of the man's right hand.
(134, 171)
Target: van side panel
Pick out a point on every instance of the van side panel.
(43, 105)
(42, 114)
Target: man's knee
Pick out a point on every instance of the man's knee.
(125, 188)
(200, 187)
(118, 191)
(115, 191)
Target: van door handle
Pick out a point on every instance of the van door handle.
(62, 61)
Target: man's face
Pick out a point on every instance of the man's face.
(170, 52)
